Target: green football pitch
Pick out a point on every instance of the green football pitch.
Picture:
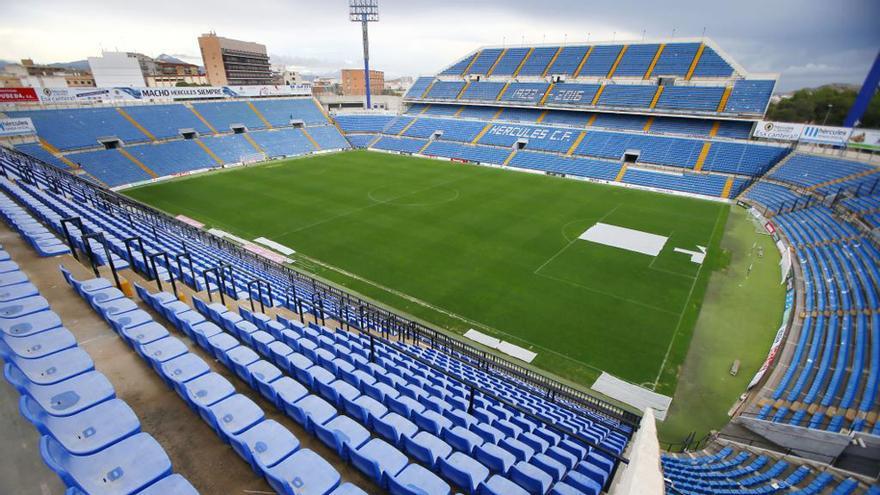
(463, 247)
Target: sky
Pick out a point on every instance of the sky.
(807, 42)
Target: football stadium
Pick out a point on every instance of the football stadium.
(549, 268)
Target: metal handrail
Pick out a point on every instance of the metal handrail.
(552, 389)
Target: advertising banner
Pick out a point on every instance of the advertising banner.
(777, 341)
(183, 93)
(74, 95)
(16, 95)
(257, 91)
(82, 95)
(823, 134)
(16, 127)
(865, 139)
(781, 131)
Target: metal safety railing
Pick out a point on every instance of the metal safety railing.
(550, 389)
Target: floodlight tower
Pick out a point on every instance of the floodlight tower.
(365, 12)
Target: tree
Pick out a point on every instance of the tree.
(810, 106)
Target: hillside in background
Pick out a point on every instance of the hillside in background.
(811, 105)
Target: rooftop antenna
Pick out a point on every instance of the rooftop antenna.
(644, 31)
(544, 39)
(588, 36)
(565, 39)
(365, 12)
(704, 32)
(673, 32)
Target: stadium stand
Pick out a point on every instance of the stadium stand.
(721, 88)
(282, 111)
(110, 167)
(166, 121)
(363, 123)
(223, 115)
(812, 171)
(406, 414)
(481, 91)
(732, 471)
(156, 140)
(92, 440)
(283, 142)
(712, 65)
(82, 127)
(361, 141)
(39, 152)
(419, 87)
(231, 148)
(327, 137)
(338, 384)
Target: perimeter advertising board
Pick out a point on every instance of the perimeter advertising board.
(823, 134)
(781, 131)
(86, 95)
(18, 95)
(865, 139)
(17, 127)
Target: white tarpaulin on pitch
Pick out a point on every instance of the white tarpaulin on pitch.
(505, 347)
(633, 395)
(624, 238)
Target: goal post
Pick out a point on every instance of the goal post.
(249, 158)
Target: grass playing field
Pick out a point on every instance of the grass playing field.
(473, 247)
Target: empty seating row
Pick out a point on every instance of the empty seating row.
(599, 60)
(270, 448)
(361, 141)
(705, 184)
(78, 128)
(746, 97)
(825, 173)
(37, 235)
(715, 156)
(205, 257)
(419, 416)
(662, 125)
(90, 438)
(773, 196)
(363, 123)
(114, 167)
(732, 472)
(833, 378)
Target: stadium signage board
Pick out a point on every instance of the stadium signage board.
(15, 95)
(77, 95)
(176, 93)
(781, 131)
(74, 95)
(822, 134)
(865, 139)
(17, 127)
(256, 91)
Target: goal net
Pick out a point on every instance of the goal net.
(249, 158)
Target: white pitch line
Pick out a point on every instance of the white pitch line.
(446, 312)
(686, 302)
(606, 215)
(603, 293)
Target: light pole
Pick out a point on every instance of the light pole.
(825, 120)
(365, 12)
